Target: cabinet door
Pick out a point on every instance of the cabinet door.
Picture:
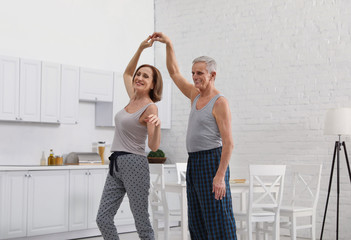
(69, 94)
(50, 92)
(9, 88)
(13, 204)
(96, 85)
(30, 84)
(96, 181)
(105, 111)
(78, 200)
(47, 202)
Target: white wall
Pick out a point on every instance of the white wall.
(100, 34)
(282, 64)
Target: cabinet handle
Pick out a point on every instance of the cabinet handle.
(25, 175)
(86, 173)
(29, 175)
(58, 121)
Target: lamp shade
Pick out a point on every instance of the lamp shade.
(338, 121)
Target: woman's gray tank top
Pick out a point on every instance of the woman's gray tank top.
(203, 133)
(130, 134)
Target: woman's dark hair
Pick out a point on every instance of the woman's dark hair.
(155, 93)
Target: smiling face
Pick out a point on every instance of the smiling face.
(201, 77)
(143, 80)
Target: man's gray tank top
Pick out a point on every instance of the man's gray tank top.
(130, 134)
(203, 133)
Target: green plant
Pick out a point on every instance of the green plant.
(158, 153)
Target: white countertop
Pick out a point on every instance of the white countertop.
(63, 167)
(38, 167)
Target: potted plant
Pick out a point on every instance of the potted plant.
(156, 157)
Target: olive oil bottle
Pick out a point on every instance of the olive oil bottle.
(51, 158)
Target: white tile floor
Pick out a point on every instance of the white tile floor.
(175, 235)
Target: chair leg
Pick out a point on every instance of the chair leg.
(257, 230)
(166, 228)
(249, 229)
(265, 233)
(266, 236)
(276, 230)
(155, 226)
(313, 230)
(293, 228)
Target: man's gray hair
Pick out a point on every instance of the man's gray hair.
(210, 63)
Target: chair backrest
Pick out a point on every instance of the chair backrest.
(306, 184)
(266, 187)
(181, 171)
(157, 196)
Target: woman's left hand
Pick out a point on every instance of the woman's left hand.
(147, 43)
(153, 119)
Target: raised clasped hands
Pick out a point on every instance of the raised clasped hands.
(153, 119)
(160, 37)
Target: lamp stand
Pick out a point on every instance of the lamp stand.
(337, 150)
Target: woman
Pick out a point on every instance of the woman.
(129, 167)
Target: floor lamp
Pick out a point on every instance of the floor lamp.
(337, 122)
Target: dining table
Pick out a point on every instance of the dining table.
(241, 188)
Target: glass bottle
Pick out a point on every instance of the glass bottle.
(51, 158)
(43, 159)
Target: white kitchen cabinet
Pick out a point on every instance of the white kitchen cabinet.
(9, 88)
(105, 111)
(48, 194)
(33, 91)
(13, 204)
(69, 94)
(29, 90)
(96, 186)
(50, 92)
(86, 188)
(96, 85)
(33, 203)
(54, 202)
(20, 82)
(78, 199)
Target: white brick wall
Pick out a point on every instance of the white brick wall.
(282, 64)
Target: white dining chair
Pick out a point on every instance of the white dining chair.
(181, 171)
(158, 201)
(303, 204)
(266, 183)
